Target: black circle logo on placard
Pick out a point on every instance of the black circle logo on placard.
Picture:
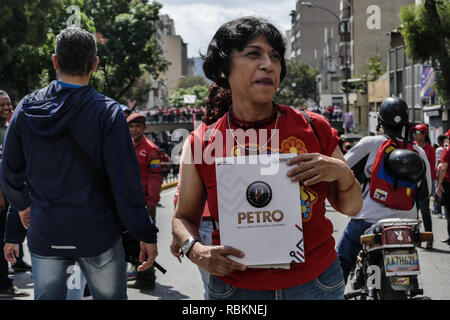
(259, 194)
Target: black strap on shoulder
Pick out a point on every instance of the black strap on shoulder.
(308, 119)
(101, 180)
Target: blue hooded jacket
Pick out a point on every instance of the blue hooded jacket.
(69, 216)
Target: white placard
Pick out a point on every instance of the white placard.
(260, 210)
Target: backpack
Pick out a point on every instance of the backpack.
(389, 190)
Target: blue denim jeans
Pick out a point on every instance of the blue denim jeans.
(349, 245)
(328, 286)
(205, 230)
(105, 275)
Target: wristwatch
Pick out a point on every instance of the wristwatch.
(187, 246)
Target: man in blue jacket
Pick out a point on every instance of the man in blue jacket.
(48, 181)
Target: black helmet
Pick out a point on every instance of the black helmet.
(405, 164)
(393, 111)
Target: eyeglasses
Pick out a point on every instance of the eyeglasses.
(418, 132)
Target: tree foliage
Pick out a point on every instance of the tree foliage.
(127, 45)
(176, 100)
(299, 85)
(23, 33)
(187, 82)
(426, 31)
(375, 68)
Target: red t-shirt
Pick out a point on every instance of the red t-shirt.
(431, 155)
(149, 158)
(296, 136)
(445, 157)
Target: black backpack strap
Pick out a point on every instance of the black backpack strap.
(101, 180)
(308, 119)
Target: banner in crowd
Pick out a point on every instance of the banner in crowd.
(348, 119)
(189, 98)
(427, 89)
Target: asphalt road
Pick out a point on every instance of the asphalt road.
(183, 281)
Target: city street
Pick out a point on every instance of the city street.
(183, 282)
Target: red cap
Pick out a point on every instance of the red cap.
(447, 133)
(136, 117)
(421, 127)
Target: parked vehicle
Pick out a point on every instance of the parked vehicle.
(387, 267)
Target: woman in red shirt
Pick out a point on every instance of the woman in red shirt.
(246, 55)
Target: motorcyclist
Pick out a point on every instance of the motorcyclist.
(393, 118)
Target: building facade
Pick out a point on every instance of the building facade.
(175, 51)
(158, 95)
(368, 24)
(314, 39)
(414, 82)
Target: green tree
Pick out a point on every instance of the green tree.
(426, 31)
(23, 33)
(299, 85)
(176, 100)
(138, 93)
(187, 82)
(375, 68)
(128, 46)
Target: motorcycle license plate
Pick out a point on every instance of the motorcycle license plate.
(401, 264)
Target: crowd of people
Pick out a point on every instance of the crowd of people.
(98, 210)
(183, 114)
(332, 113)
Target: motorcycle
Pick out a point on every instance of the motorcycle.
(387, 267)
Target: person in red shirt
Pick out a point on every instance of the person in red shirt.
(443, 186)
(149, 158)
(420, 134)
(253, 69)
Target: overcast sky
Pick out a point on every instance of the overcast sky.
(196, 21)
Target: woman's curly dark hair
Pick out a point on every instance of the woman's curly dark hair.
(218, 102)
(236, 34)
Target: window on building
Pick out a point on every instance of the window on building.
(299, 52)
(392, 64)
(408, 76)
(399, 88)
(400, 58)
(418, 74)
(391, 84)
